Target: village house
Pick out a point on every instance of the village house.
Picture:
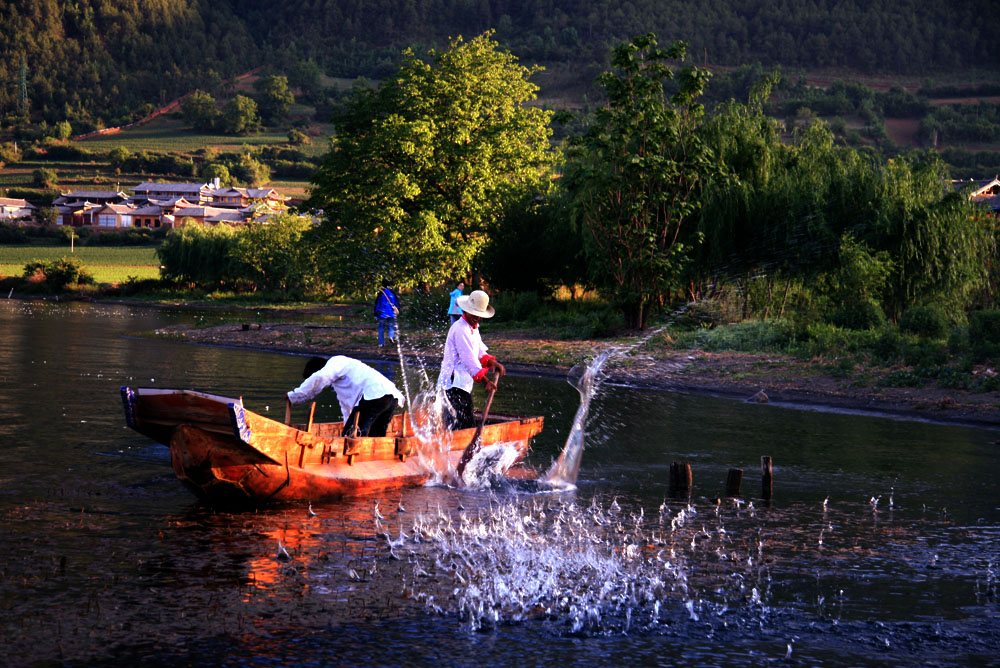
(209, 215)
(78, 207)
(16, 210)
(155, 205)
(114, 216)
(242, 198)
(984, 192)
(192, 192)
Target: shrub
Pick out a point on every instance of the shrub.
(924, 354)
(601, 324)
(888, 347)
(12, 234)
(518, 306)
(925, 320)
(67, 152)
(860, 315)
(821, 339)
(984, 334)
(43, 177)
(751, 335)
(128, 237)
(57, 274)
(710, 312)
(984, 327)
(902, 378)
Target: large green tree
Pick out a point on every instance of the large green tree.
(240, 117)
(636, 175)
(275, 255)
(273, 98)
(422, 166)
(199, 110)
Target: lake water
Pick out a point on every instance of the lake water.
(881, 546)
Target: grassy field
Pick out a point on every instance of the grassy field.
(105, 264)
(169, 134)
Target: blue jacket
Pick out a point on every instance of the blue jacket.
(384, 302)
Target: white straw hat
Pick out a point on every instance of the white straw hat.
(476, 303)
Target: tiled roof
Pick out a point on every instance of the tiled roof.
(118, 208)
(170, 187)
(23, 203)
(94, 194)
(198, 211)
(225, 217)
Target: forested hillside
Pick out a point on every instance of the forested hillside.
(100, 62)
(900, 36)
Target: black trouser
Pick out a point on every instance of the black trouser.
(372, 415)
(460, 416)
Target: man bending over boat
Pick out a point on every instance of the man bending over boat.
(367, 398)
(465, 360)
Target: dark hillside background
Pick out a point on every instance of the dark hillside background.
(106, 62)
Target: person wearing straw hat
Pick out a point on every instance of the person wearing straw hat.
(465, 360)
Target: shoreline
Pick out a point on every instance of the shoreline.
(773, 379)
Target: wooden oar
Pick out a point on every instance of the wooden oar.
(312, 411)
(476, 443)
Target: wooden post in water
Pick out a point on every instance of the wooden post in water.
(733, 482)
(766, 478)
(680, 478)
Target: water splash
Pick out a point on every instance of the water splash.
(585, 570)
(586, 378)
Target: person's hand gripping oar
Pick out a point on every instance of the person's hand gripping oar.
(477, 439)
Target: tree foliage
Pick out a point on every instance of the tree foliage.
(96, 61)
(240, 117)
(274, 99)
(58, 274)
(199, 255)
(200, 111)
(636, 176)
(276, 255)
(424, 164)
(813, 212)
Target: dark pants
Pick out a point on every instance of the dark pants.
(372, 415)
(461, 404)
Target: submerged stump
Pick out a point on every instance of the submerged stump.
(680, 478)
(734, 481)
(766, 478)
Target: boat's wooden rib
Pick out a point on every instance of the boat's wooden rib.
(230, 455)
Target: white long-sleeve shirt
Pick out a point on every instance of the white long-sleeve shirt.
(350, 379)
(464, 357)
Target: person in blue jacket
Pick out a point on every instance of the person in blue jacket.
(386, 310)
(453, 309)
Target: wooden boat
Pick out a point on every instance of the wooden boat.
(229, 455)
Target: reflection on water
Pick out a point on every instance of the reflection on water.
(879, 548)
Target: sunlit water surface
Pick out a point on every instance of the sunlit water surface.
(879, 548)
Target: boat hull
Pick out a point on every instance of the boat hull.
(228, 455)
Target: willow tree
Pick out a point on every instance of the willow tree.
(635, 176)
(422, 166)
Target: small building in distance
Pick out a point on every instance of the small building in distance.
(984, 192)
(17, 210)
